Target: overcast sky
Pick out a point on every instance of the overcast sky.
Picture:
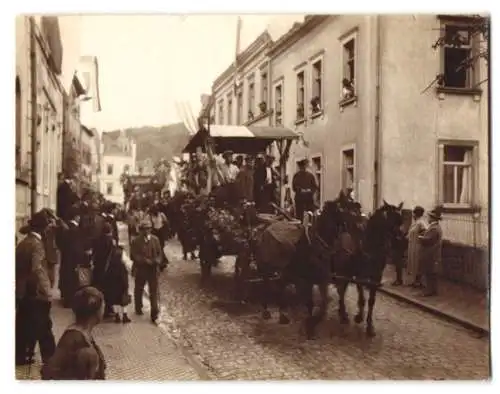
(148, 63)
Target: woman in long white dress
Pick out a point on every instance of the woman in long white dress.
(417, 228)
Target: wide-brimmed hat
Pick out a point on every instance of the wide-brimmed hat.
(227, 153)
(436, 213)
(38, 222)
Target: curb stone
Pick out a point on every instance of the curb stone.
(479, 329)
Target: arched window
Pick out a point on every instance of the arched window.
(18, 123)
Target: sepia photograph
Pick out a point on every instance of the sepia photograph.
(252, 197)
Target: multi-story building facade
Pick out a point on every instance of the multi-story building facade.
(354, 88)
(118, 156)
(47, 107)
(39, 114)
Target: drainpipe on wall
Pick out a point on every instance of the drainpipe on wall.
(34, 116)
(377, 181)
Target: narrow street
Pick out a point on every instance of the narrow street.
(233, 342)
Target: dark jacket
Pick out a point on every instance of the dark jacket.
(116, 278)
(304, 185)
(245, 183)
(32, 279)
(144, 252)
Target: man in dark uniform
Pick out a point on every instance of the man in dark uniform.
(304, 186)
(148, 261)
(33, 295)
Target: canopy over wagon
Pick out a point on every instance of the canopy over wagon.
(239, 139)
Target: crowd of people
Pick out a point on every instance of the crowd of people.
(81, 237)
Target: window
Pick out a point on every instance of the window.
(457, 174)
(263, 91)
(126, 168)
(317, 171)
(301, 95)
(110, 169)
(278, 104)
(221, 112)
(457, 50)
(348, 169)
(239, 107)
(229, 109)
(317, 87)
(349, 69)
(18, 123)
(251, 98)
(109, 188)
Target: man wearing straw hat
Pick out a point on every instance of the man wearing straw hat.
(229, 169)
(430, 251)
(147, 257)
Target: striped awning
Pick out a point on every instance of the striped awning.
(241, 139)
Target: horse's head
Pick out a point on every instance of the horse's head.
(387, 219)
(332, 219)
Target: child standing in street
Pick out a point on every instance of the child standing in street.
(118, 286)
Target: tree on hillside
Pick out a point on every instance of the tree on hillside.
(465, 42)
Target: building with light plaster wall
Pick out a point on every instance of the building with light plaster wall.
(118, 156)
(366, 122)
(39, 114)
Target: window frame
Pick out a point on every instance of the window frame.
(19, 123)
(298, 71)
(239, 106)
(229, 110)
(343, 167)
(279, 83)
(319, 58)
(251, 97)
(321, 172)
(108, 184)
(472, 72)
(221, 111)
(473, 145)
(108, 166)
(264, 88)
(351, 35)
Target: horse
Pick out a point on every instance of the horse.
(362, 256)
(340, 243)
(306, 263)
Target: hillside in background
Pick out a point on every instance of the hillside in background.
(157, 142)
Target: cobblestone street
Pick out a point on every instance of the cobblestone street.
(235, 343)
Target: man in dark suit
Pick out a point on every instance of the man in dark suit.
(33, 295)
(70, 243)
(148, 261)
(245, 180)
(66, 197)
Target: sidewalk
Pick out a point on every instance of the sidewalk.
(136, 351)
(458, 303)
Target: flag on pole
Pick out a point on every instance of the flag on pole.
(89, 69)
(239, 24)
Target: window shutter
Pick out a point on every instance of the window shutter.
(439, 181)
(475, 176)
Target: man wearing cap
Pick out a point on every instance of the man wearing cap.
(245, 180)
(33, 295)
(304, 186)
(430, 251)
(147, 256)
(229, 170)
